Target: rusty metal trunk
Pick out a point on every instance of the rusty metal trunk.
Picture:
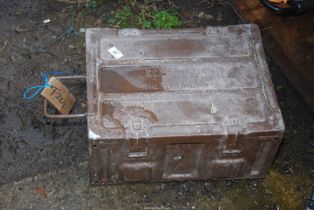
(174, 105)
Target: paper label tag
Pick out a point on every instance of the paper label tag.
(59, 96)
(115, 52)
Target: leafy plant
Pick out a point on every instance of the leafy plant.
(94, 4)
(121, 18)
(166, 20)
(147, 24)
(144, 15)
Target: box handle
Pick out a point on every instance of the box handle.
(64, 116)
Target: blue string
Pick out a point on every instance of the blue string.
(39, 88)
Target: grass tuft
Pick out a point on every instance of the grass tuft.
(144, 15)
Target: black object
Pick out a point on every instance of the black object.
(311, 205)
(294, 6)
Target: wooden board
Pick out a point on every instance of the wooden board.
(289, 40)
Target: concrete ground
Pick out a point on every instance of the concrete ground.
(43, 163)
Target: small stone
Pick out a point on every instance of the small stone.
(19, 29)
(179, 193)
(27, 55)
(228, 183)
(162, 187)
(12, 59)
(98, 22)
(205, 16)
(83, 105)
(46, 21)
(146, 199)
(219, 18)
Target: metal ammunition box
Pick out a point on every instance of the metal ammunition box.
(175, 105)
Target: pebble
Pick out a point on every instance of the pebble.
(46, 21)
(205, 16)
(146, 199)
(12, 59)
(162, 186)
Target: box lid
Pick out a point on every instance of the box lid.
(185, 82)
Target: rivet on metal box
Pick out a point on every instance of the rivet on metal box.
(175, 105)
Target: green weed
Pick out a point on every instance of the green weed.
(94, 4)
(121, 18)
(143, 15)
(166, 20)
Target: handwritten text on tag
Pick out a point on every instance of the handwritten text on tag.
(59, 96)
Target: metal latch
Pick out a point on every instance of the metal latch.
(137, 148)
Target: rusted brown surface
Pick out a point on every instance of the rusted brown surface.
(289, 40)
(170, 111)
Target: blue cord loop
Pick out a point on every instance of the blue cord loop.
(38, 88)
